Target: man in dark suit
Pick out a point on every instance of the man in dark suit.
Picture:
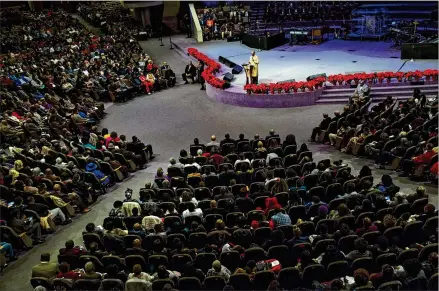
(137, 249)
(45, 268)
(200, 70)
(322, 126)
(189, 72)
(271, 134)
(227, 139)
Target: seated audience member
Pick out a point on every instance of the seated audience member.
(423, 159)
(420, 193)
(360, 251)
(190, 72)
(92, 228)
(361, 279)
(280, 218)
(137, 274)
(191, 211)
(219, 270)
(89, 272)
(66, 273)
(45, 268)
(71, 249)
(322, 126)
(22, 224)
(112, 272)
(136, 249)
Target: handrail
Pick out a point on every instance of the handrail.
(196, 27)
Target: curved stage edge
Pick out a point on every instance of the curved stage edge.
(238, 97)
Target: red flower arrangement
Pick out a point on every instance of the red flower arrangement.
(211, 69)
(431, 73)
(415, 75)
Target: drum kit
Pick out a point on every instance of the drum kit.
(404, 32)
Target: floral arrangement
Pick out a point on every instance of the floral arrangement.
(210, 70)
(337, 80)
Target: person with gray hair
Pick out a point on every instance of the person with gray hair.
(174, 163)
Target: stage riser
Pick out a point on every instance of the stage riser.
(386, 86)
(346, 100)
(404, 91)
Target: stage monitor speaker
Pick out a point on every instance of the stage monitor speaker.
(237, 69)
(286, 81)
(228, 77)
(226, 62)
(312, 77)
(221, 59)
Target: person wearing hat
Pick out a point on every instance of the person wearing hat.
(93, 168)
(219, 270)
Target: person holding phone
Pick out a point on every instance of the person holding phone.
(22, 224)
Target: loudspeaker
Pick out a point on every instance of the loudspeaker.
(228, 77)
(236, 69)
(221, 59)
(312, 77)
(286, 81)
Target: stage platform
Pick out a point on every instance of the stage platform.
(298, 62)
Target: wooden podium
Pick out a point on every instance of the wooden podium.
(247, 69)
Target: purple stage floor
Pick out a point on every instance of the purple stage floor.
(299, 62)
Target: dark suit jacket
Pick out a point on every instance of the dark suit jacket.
(325, 122)
(45, 270)
(190, 70)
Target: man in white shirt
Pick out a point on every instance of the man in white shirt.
(191, 211)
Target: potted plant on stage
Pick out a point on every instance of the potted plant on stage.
(431, 74)
(399, 76)
(249, 88)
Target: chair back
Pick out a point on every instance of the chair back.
(189, 283)
(214, 283)
(346, 243)
(86, 284)
(240, 282)
(262, 279)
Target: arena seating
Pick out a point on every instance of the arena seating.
(54, 162)
(258, 215)
(398, 135)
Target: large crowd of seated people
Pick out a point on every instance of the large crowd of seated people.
(54, 161)
(254, 214)
(398, 135)
(283, 11)
(222, 21)
(139, 68)
(108, 14)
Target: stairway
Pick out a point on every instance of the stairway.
(340, 95)
(257, 10)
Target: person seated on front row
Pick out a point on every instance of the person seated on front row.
(322, 126)
(45, 268)
(189, 73)
(71, 249)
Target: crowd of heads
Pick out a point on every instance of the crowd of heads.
(205, 221)
(223, 21)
